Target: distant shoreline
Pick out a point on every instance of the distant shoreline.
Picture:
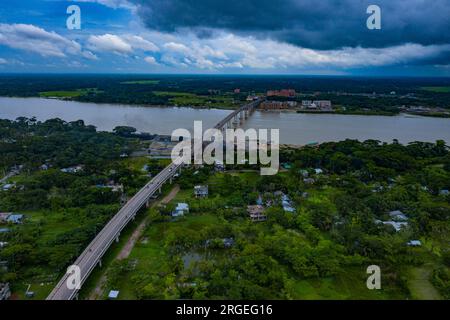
(359, 113)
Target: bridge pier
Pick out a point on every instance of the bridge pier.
(100, 263)
(117, 239)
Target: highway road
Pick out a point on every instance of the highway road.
(92, 255)
(94, 252)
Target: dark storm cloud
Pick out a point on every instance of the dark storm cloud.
(319, 24)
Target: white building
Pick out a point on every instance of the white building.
(180, 210)
(397, 215)
(201, 191)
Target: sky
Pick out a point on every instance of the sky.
(320, 37)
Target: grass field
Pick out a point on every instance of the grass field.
(419, 284)
(348, 285)
(67, 94)
(190, 99)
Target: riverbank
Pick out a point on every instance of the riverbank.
(294, 128)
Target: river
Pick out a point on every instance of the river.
(294, 128)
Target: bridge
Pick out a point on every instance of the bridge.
(92, 255)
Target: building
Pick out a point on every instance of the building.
(3, 244)
(287, 204)
(219, 166)
(286, 93)
(180, 210)
(252, 98)
(7, 186)
(444, 192)
(397, 215)
(398, 226)
(273, 105)
(318, 171)
(256, 213)
(237, 90)
(15, 218)
(278, 105)
(113, 294)
(201, 191)
(4, 216)
(414, 243)
(5, 291)
(74, 169)
(323, 105)
(306, 104)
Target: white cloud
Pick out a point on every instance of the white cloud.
(115, 4)
(137, 42)
(109, 43)
(30, 38)
(3, 61)
(122, 45)
(177, 47)
(231, 51)
(151, 60)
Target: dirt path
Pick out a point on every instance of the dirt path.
(420, 286)
(126, 250)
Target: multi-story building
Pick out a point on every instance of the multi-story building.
(275, 105)
(317, 104)
(287, 93)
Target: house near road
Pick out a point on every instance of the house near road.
(180, 210)
(201, 191)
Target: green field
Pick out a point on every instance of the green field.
(67, 94)
(437, 89)
(190, 99)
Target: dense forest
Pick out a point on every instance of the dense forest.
(63, 207)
